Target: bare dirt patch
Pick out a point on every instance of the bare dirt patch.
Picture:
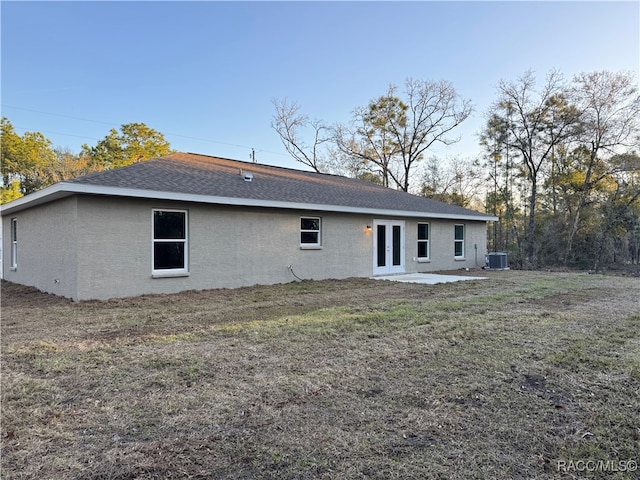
(502, 378)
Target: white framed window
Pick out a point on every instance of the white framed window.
(170, 243)
(14, 243)
(458, 241)
(423, 241)
(310, 232)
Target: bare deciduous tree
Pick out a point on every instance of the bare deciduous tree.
(609, 107)
(457, 180)
(393, 134)
(536, 122)
(290, 124)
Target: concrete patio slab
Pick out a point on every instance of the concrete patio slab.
(426, 278)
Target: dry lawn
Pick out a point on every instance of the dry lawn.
(526, 375)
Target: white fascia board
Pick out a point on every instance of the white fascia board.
(63, 189)
(45, 195)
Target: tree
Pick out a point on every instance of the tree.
(26, 160)
(30, 163)
(10, 144)
(134, 143)
(536, 121)
(370, 142)
(70, 165)
(393, 134)
(503, 170)
(620, 209)
(10, 192)
(609, 107)
(288, 123)
(457, 181)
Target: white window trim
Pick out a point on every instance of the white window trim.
(311, 246)
(427, 241)
(14, 244)
(459, 257)
(170, 272)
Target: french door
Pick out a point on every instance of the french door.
(388, 247)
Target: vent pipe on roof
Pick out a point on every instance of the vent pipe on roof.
(246, 176)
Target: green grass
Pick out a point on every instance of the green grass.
(501, 378)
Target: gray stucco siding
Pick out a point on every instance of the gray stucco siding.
(114, 247)
(47, 239)
(232, 246)
(228, 247)
(98, 247)
(441, 245)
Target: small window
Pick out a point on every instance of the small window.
(170, 242)
(423, 241)
(14, 243)
(458, 242)
(310, 231)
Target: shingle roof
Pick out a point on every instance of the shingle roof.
(212, 178)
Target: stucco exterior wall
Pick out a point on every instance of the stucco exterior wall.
(228, 247)
(47, 238)
(95, 247)
(441, 245)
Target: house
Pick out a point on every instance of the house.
(188, 221)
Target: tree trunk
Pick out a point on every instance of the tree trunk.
(531, 252)
(599, 252)
(584, 195)
(574, 228)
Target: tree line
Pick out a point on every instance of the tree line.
(30, 162)
(557, 161)
(564, 170)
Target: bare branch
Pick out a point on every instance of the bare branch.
(289, 123)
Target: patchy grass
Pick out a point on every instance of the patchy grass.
(523, 375)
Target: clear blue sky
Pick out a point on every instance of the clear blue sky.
(208, 70)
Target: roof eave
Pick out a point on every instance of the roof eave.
(49, 194)
(64, 189)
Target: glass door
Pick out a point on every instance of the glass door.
(388, 247)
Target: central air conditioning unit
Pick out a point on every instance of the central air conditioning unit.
(497, 261)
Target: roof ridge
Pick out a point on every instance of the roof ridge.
(178, 155)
